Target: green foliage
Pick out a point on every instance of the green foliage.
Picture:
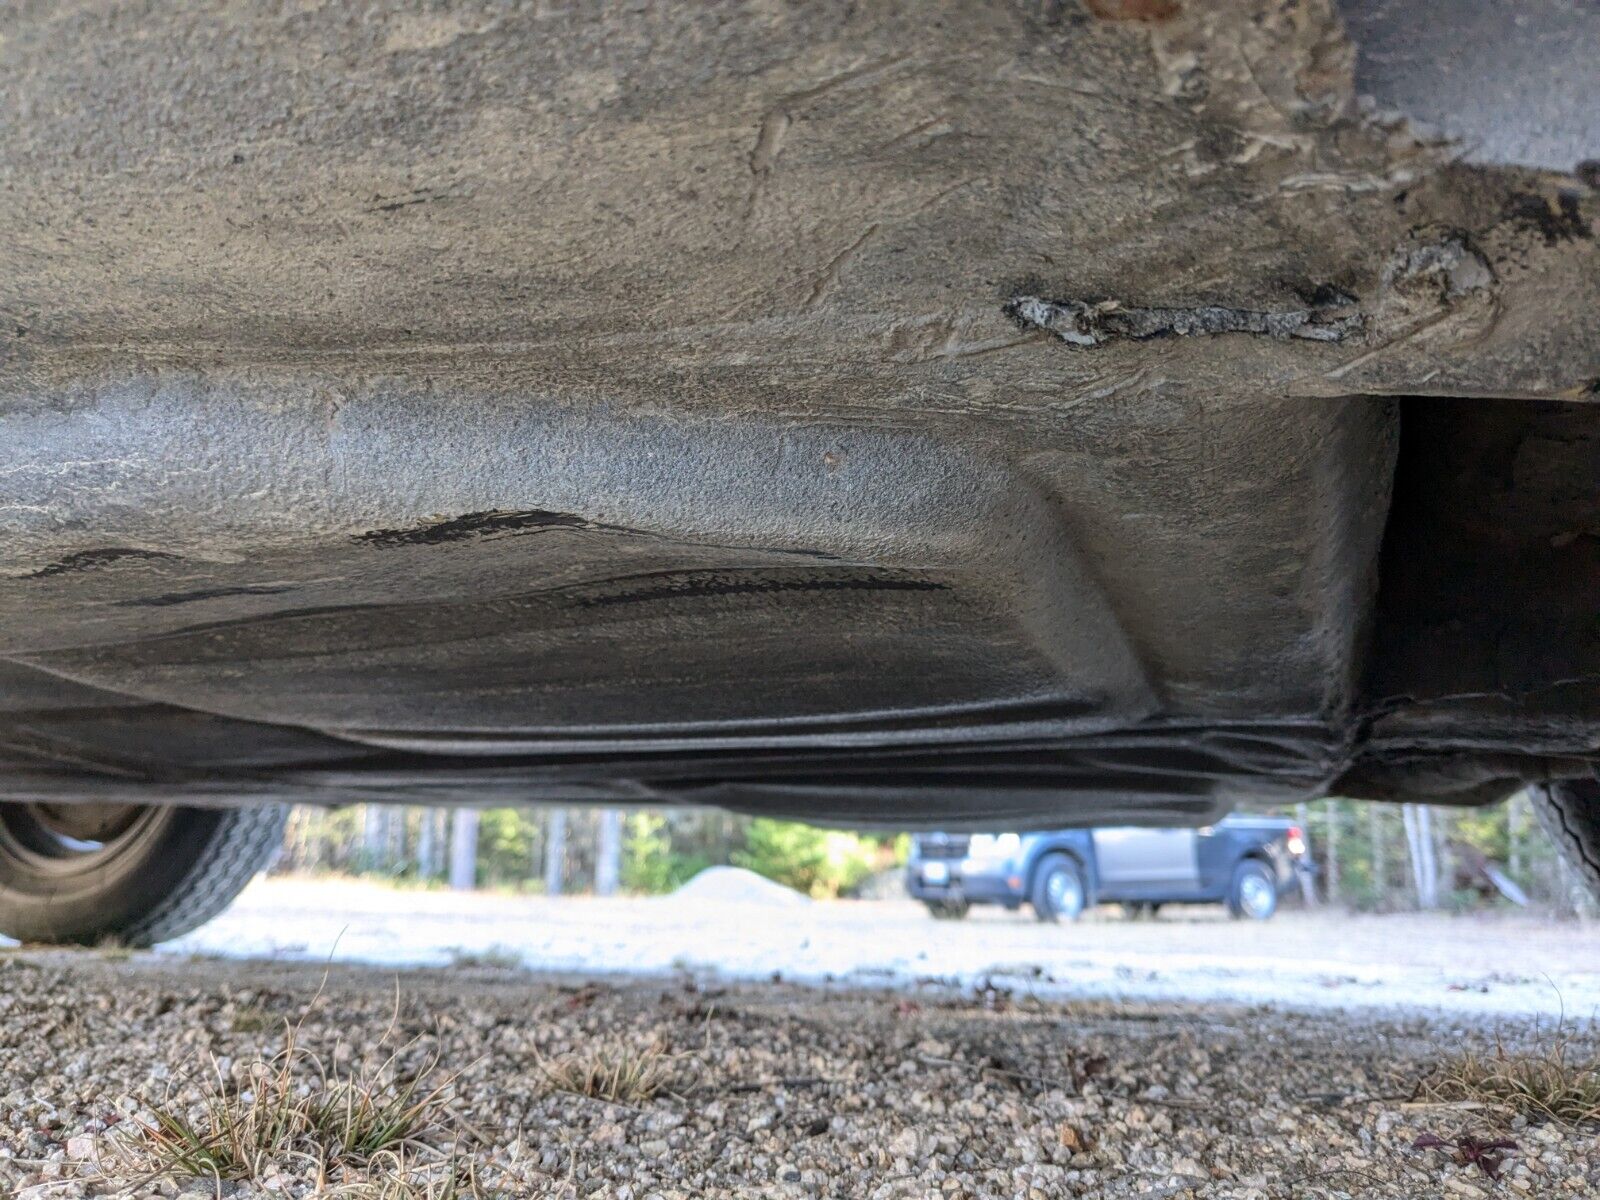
(1357, 887)
(650, 864)
(1485, 828)
(819, 862)
(899, 849)
(506, 841)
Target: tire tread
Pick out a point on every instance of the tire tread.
(246, 842)
(1570, 815)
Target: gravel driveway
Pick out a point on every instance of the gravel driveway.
(773, 1091)
(1481, 966)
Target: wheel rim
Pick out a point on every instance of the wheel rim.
(1063, 891)
(67, 839)
(1255, 895)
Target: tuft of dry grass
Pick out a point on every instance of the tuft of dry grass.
(391, 1175)
(112, 949)
(1551, 1083)
(251, 1019)
(617, 1071)
(495, 958)
(292, 1108)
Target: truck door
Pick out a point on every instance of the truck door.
(1131, 859)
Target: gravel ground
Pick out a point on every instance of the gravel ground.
(772, 1090)
(1490, 966)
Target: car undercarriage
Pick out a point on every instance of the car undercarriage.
(1010, 414)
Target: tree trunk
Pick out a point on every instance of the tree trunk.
(374, 835)
(1428, 826)
(394, 846)
(427, 846)
(1308, 883)
(464, 850)
(1424, 857)
(1380, 858)
(1408, 820)
(1442, 823)
(1333, 852)
(608, 853)
(1516, 818)
(555, 852)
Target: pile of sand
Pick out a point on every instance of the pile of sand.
(735, 885)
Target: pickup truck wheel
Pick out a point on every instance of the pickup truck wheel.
(1569, 810)
(948, 910)
(1058, 889)
(138, 874)
(1253, 893)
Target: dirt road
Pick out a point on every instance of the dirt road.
(1487, 966)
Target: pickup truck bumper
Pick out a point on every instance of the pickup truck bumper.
(965, 879)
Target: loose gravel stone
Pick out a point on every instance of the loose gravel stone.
(774, 1091)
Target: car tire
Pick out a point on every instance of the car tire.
(1059, 892)
(1569, 810)
(1253, 894)
(133, 874)
(948, 910)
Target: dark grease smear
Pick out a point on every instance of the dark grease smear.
(476, 525)
(203, 594)
(88, 560)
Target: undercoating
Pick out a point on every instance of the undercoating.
(927, 413)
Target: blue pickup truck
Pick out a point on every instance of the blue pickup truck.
(1244, 862)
